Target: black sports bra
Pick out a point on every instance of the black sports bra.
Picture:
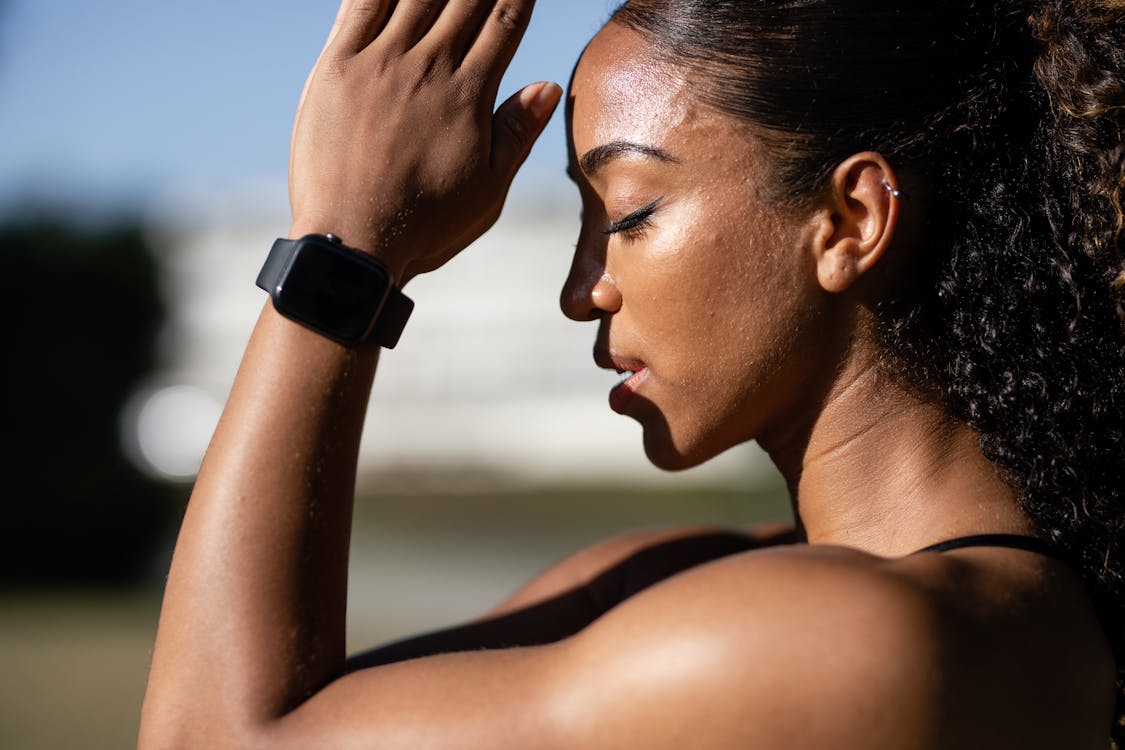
(1015, 541)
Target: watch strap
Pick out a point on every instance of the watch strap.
(391, 318)
(272, 269)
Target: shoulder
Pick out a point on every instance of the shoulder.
(784, 643)
(791, 647)
(797, 589)
(804, 646)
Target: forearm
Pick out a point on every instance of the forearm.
(254, 612)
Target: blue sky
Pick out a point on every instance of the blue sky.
(106, 106)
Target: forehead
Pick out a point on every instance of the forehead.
(619, 92)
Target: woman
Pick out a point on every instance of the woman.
(882, 239)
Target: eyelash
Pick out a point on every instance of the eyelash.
(635, 224)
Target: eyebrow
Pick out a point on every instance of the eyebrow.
(596, 158)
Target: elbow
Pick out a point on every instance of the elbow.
(194, 739)
(164, 736)
(172, 730)
(175, 735)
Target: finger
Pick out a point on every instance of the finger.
(338, 23)
(358, 23)
(499, 37)
(518, 123)
(410, 21)
(457, 26)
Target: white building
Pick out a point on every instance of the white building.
(489, 375)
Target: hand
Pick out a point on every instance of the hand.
(396, 148)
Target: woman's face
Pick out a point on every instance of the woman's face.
(700, 289)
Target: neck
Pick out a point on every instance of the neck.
(881, 469)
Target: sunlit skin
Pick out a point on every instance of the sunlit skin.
(702, 290)
(745, 322)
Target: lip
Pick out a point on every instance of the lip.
(622, 394)
(608, 360)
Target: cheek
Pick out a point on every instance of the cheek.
(682, 280)
(713, 282)
(727, 342)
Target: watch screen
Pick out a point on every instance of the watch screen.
(332, 290)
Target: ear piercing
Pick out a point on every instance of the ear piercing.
(895, 192)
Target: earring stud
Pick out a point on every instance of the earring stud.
(895, 192)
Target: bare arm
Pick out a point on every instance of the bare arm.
(253, 617)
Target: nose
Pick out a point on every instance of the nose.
(589, 290)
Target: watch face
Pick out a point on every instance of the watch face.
(332, 290)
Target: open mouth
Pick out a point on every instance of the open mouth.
(627, 374)
(622, 394)
(633, 371)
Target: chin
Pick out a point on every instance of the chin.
(663, 452)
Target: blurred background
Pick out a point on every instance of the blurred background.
(143, 153)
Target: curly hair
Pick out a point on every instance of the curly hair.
(1011, 115)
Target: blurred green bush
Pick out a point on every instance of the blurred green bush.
(80, 311)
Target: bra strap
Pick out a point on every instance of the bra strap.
(1015, 541)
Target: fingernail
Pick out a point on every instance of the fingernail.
(545, 100)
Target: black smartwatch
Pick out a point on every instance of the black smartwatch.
(336, 291)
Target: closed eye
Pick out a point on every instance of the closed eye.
(635, 223)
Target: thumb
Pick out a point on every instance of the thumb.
(518, 123)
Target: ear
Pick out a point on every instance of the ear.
(861, 207)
